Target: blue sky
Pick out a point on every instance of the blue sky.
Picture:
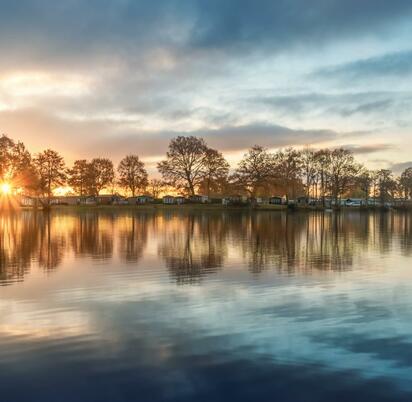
(107, 78)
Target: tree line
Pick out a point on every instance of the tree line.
(192, 167)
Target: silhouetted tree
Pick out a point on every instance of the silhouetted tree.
(16, 165)
(184, 167)
(405, 182)
(216, 171)
(156, 187)
(309, 170)
(254, 170)
(51, 171)
(323, 160)
(386, 184)
(364, 180)
(101, 174)
(132, 174)
(342, 171)
(79, 177)
(288, 168)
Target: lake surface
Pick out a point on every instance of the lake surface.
(121, 305)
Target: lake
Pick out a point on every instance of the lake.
(125, 305)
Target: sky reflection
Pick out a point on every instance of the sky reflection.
(181, 306)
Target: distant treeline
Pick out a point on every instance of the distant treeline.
(192, 167)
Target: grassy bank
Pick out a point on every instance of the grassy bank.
(161, 207)
(216, 207)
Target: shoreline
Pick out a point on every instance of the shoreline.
(216, 207)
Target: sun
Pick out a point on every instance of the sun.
(5, 188)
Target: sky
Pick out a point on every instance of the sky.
(113, 77)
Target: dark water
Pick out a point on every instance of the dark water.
(208, 306)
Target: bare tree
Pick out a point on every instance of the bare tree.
(254, 170)
(16, 166)
(309, 170)
(51, 170)
(101, 174)
(365, 182)
(132, 174)
(79, 177)
(405, 183)
(156, 187)
(184, 167)
(216, 171)
(387, 185)
(289, 170)
(342, 172)
(323, 160)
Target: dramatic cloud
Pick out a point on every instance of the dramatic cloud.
(111, 76)
(394, 64)
(398, 168)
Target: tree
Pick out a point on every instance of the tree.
(405, 182)
(156, 187)
(386, 185)
(365, 181)
(132, 174)
(51, 171)
(216, 171)
(254, 170)
(341, 172)
(289, 170)
(309, 170)
(184, 166)
(79, 177)
(6, 149)
(101, 174)
(16, 166)
(323, 160)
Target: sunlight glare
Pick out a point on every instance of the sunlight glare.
(5, 188)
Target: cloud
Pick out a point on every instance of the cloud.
(393, 64)
(398, 168)
(134, 31)
(240, 24)
(368, 149)
(89, 138)
(348, 104)
(107, 76)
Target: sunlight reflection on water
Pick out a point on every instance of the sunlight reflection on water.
(112, 305)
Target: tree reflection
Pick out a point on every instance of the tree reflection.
(193, 246)
(18, 244)
(133, 237)
(52, 242)
(92, 235)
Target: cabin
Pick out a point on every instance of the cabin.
(26, 201)
(145, 199)
(89, 201)
(234, 200)
(262, 200)
(180, 200)
(275, 200)
(110, 199)
(66, 200)
(169, 199)
(140, 199)
(304, 201)
(199, 199)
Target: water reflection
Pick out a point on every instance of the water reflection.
(195, 245)
(120, 305)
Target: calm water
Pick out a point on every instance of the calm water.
(208, 306)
